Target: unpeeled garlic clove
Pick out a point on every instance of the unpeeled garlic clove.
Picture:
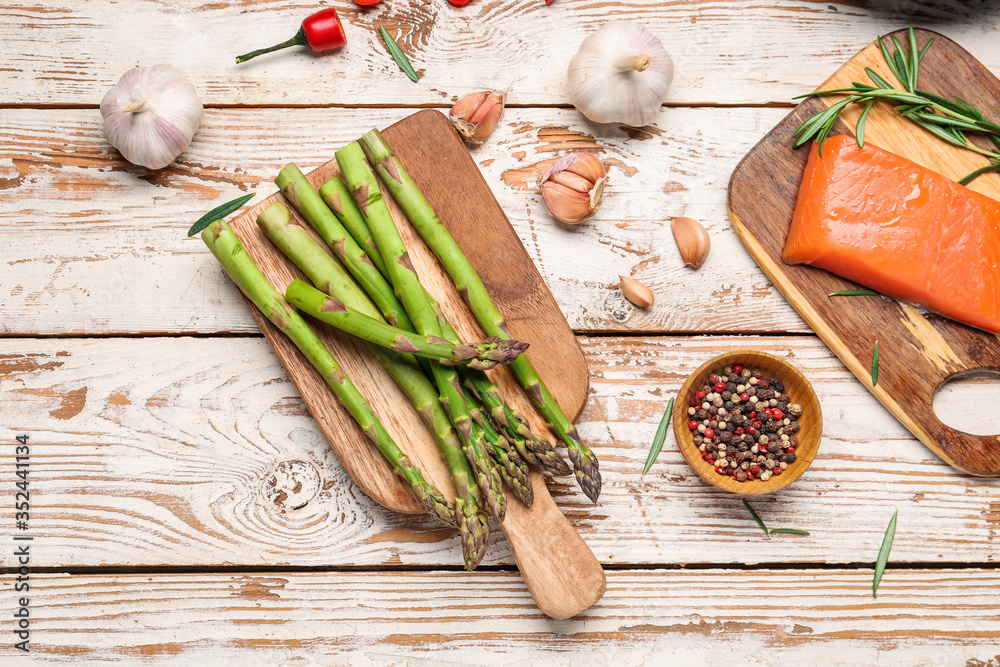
(475, 116)
(636, 292)
(692, 241)
(573, 187)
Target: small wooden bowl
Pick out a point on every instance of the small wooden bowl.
(798, 389)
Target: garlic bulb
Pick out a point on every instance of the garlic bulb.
(151, 114)
(475, 116)
(573, 186)
(620, 75)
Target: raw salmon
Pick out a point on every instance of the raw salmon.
(889, 224)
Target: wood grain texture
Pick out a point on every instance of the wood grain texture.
(712, 617)
(168, 452)
(740, 52)
(918, 352)
(93, 241)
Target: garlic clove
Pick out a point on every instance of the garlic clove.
(692, 241)
(572, 181)
(476, 116)
(573, 186)
(151, 115)
(565, 204)
(621, 74)
(640, 295)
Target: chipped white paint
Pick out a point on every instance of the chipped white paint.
(162, 462)
(94, 241)
(704, 617)
(738, 52)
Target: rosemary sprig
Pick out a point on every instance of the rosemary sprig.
(661, 435)
(771, 531)
(875, 365)
(883, 553)
(220, 211)
(946, 119)
(854, 292)
(397, 54)
(757, 519)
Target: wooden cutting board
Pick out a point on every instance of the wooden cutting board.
(917, 352)
(561, 572)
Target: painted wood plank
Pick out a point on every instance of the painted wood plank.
(199, 452)
(733, 53)
(93, 241)
(701, 617)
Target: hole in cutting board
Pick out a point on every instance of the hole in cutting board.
(970, 403)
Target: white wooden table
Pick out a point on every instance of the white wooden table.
(156, 412)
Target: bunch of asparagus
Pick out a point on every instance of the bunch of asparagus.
(364, 284)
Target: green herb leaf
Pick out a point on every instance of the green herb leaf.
(875, 365)
(854, 292)
(979, 172)
(661, 434)
(883, 553)
(757, 519)
(397, 54)
(790, 531)
(218, 212)
(944, 118)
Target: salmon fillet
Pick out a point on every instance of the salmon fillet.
(889, 224)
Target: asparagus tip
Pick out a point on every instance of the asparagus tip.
(588, 474)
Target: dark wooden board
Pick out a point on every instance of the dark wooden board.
(559, 569)
(918, 352)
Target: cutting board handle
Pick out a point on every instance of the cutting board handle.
(561, 572)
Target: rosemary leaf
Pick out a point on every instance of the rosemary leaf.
(661, 434)
(220, 211)
(979, 172)
(397, 54)
(883, 553)
(790, 531)
(860, 129)
(915, 57)
(757, 519)
(854, 292)
(875, 365)
(874, 76)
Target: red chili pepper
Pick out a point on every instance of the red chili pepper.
(322, 31)
(549, 2)
(458, 3)
(367, 3)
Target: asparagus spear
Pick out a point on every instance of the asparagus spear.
(228, 249)
(367, 193)
(533, 449)
(339, 199)
(467, 281)
(306, 200)
(512, 467)
(299, 246)
(334, 312)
